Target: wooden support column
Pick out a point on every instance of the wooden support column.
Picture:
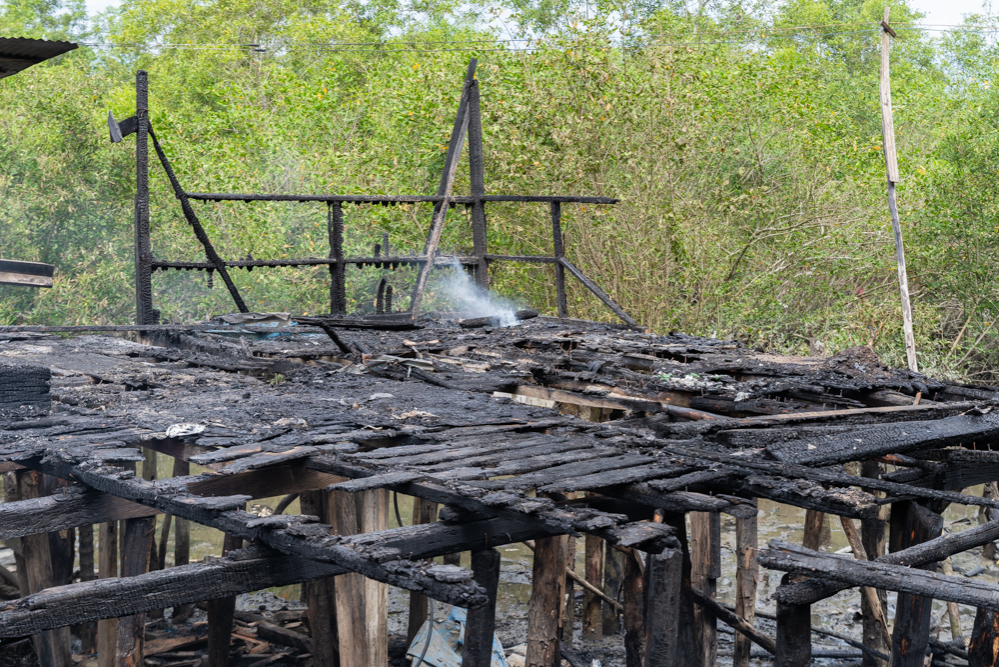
(794, 633)
(556, 215)
(149, 467)
(984, 648)
(107, 629)
(546, 604)
(812, 537)
(181, 543)
(320, 595)
(87, 631)
(705, 560)
(746, 572)
(873, 535)
(567, 628)
(424, 511)
(481, 621)
(478, 183)
(613, 581)
(687, 631)
(138, 535)
(664, 582)
(361, 603)
(40, 559)
(634, 611)
(911, 524)
(220, 617)
(592, 616)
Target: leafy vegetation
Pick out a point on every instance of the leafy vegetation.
(743, 140)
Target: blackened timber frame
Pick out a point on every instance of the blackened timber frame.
(468, 122)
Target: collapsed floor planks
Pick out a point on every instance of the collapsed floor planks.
(470, 421)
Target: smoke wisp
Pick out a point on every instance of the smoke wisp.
(465, 296)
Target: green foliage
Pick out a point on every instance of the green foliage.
(745, 149)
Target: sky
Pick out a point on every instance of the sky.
(946, 12)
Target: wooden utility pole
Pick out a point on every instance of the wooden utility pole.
(891, 166)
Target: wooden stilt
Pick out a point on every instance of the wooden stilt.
(911, 523)
(686, 632)
(664, 577)
(107, 629)
(361, 603)
(705, 559)
(794, 634)
(873, 536)
(613, 580)
(320, 596)
(568, 625)
(634, 611)
(39, 557)
(11, 494)
(812, 538)
(592, 618)
(138, 535)
(220, 616)
(953, 612)
(87, 631)
(984, 648)
(546, 604)
(181, 543)
(746, 572)
(481, 621)
(424, 511)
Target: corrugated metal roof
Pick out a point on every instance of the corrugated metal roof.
(18, 53)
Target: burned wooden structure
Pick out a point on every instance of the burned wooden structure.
(539, 432)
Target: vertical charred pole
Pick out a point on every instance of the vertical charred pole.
(664, 577)
(686, 631)
(873, 536)
(634, 611)
(388, 298)
(705, 559)
(320, 595)
(338, 289)
(984, 648)
(181, 543)
(424, 511)
(746, 571)
(812, 537)
(380, 298)
(87, 631)
(444, 190)
(481, 621)
(220, 617)
(546, 604)
(911, 524)
(478, 181)
(592, 621)
(556, 213)
(794, 633)
(613, 579)
(138, 534)
(143, 247)
(107, 629)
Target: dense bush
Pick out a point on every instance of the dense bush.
(744, 142)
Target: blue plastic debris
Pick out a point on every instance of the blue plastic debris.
(446, 643)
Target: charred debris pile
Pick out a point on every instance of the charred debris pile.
(547, 431)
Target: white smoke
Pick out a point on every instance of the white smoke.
(472, 300)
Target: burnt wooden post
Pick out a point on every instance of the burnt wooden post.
(746, 571)
(181, 543)
(478, 183)
(361, 603)
(149, 466)
(424, 511)
(664, 582)
(613, 580)
(984, 648)
(444, 190)
(911, 524)
(687, 631)
(874, 538)
(812, 537)
(320, 595)
(107, 629)
(546, 604)
(220, 617)
(138, 534)
(481, 621)
(40, 559)
(338, 285)
(556, 215)
(144, 313)
(794, 633)
(705, 559)
(634, 611)
(594, 558)
(87, 631)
